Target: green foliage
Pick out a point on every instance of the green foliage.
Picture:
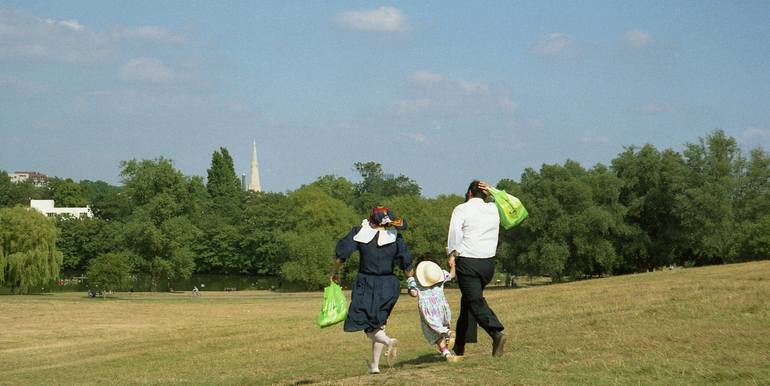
(428, 222)
(28, 254)
(83, 239)
(109, 272)
(262, 224)
(708, 204)
(317, 221)
(67, 192)
(377, 186)
(161, 232)
(222, 180)
(337, 187)
(5, 189)
(20, 193)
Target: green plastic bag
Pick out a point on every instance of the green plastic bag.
(512, 211)
(334, 308)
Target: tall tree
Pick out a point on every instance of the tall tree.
(161, 231)
(376, 186)
(109, 272)
(222, 179)
(5, 189)
(651, 182)
(705, 207)
(264, 221)
(28, 254)
(317, 222)
(67, 192)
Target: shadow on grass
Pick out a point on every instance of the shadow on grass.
(421, 360)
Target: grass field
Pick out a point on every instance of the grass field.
(690, 326)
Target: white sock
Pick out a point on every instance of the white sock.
(379, 336)
(446, 353)
(376, 353)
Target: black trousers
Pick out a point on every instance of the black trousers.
(473, 275)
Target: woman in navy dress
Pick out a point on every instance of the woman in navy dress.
(376, 289)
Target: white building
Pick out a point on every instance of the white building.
(38, 179)
(47, 207)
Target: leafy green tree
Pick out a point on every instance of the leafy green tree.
(66, 192)
(109, 272)
(161, 232)
(317, 222)
(428, 222)
(575, 220)
(107, 201)
(338, 187)
(651, 182)
(376, 186)
(264, 220)
(83, 239)
(28, 254)
(5, 189)
(21, 192)
(705, 207)
(222, 179)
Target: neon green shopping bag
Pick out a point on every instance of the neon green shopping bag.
(334, 308)
(512, 211)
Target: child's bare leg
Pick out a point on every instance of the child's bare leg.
(441, 345)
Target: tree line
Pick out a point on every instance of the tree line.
(649, 208)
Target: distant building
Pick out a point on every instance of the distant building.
(254, 184)
(47, 207)
(38, 179)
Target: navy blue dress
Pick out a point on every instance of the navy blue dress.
(376, 289)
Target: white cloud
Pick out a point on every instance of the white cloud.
(425, 79)
(382, 19)
(146, 70)
(553, 45)
(421, 78)
(71, 24)
(149, 32)
(637, 39)
(756, 133)
(24, 37)
(434, 93)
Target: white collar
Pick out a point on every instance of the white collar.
(367, 233)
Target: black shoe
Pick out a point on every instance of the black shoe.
(498, 344)
(458, 350)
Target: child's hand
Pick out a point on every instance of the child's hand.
(413, 293)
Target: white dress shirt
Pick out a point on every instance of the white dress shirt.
(473, 229)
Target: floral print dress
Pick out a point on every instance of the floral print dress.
(435, 314)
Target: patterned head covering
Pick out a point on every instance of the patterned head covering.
(383, 217)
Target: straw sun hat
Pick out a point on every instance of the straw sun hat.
(429, 273)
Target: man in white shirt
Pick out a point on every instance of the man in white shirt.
(471, 246)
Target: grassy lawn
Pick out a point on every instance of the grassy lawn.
(689, 326)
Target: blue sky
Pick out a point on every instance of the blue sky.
(442, 92)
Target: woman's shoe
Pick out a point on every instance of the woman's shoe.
(372, 369)
(392, 353)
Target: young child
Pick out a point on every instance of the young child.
(435, 314)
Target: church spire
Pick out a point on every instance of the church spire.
(254, 185)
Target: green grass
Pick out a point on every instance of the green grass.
(689, 326)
